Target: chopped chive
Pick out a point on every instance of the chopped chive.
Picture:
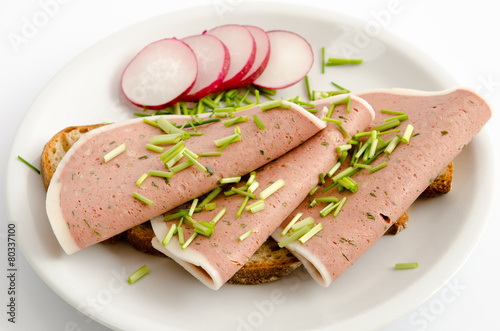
(229, 139)
(209, 154)
(328, 209)
(158, 173)
(257, 208)
(402, 266)
(337, 61)
(154, 148)
(313, 203)
(230, 180)
(373, 146)
(305, 222)
(321, 178)
(191, 153)
(181, 166)
(327, 119)
(251, 178)
(291, 223)
(192, 208)
(393, 112)
(392, 145)
(210, 197)
(218, 216)
(343, 130)
(334, 169)
(387, 125)
(173, 152)
(258, 202)
(181, 213)
(342, 174)
(361, 165)
(242, 207)
(169, 235)
(245, 235)
(115, 152)
(141, 179)
(400, 118)
(343, 156)
(308, 88)
(258, 122)
(407, 134)
(210, 206)
(377, 168)
(341, 88)
(349, 184)
(194, 161)
(224, 110)
(148, 121)
(190, 240)
(180, 234)
(204, 228)
(339, 207)
(271, 104)
(257, 96)
(143, 198)
(138, 274)
(28, 164)
(311, 233)
(272, 189)
(342, 148)
(236, 120)
(361, 134)
(253, 187)
(244, 193)
(322, 60)
(294, 236)
(327, 199)
(165, 139)
(348, 106)
(174, 160)
(314, 190)
(167, 127)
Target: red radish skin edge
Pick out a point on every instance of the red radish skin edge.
(146, 85)
(213, 69)
(290, 60)
(263, 52)
(242, 52)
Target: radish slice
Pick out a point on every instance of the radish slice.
(242, 49)
(290, 61)
(159, 74)
(262, 53)
(213, 65)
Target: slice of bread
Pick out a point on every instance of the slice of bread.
(269, 263)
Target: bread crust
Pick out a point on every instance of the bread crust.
(269, 263)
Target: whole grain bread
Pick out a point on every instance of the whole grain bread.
(269, 263)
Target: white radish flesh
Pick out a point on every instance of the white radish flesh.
(290, 61)
(262, 53)
(241, 46)
(213, 65)
(160, 74)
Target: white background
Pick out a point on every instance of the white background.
(462, 37)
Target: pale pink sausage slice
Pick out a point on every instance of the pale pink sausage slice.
(89, 201)
(216, 259)
(444, 123)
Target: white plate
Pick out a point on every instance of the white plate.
(441, 235)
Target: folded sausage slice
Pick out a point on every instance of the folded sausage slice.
(90, 200)
(215, 259)
(444, 123)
